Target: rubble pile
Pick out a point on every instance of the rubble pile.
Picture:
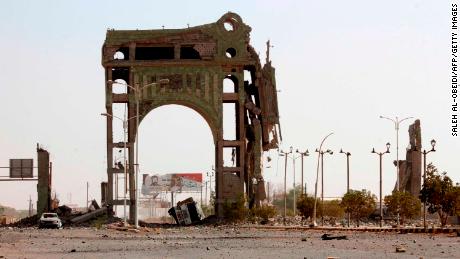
(26, 222)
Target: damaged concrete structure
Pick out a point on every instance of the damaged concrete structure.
(410, 170)
(196, 61)
(44, 181)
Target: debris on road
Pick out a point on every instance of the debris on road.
(330, 237)
(400, 249)
(89, 215)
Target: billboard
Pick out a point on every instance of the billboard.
(185, 182)
(21, 168)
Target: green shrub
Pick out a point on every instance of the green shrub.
(305, 205)
(263, 212)
(235, 211)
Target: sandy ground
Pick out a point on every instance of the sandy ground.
(219, 242)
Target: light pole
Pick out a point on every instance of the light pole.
(138, 90)
(293, 169)
(321, 152)
(302, 154)
(316, 182)
(396, 122)
(348, 154)
(424, 152)
(285, 154)
(125, 172)
(380, 154)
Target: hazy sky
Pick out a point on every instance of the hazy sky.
(339, 65)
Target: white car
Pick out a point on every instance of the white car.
(49, 220)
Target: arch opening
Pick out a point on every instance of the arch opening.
(174, 139)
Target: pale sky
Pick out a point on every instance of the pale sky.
(339, 65)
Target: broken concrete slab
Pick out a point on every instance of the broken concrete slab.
(89, 215)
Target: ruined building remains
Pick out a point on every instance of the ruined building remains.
(190, 67)
(410, 170)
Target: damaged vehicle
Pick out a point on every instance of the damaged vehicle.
(49, 220)
(186, 212)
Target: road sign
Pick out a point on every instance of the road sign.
(21, 168)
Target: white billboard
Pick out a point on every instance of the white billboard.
(183, 182)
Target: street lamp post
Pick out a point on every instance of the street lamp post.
(321, 152)
(316, 182)
(285, 154)
(293, 169)
(380, 154)
(125, 131)
(302, 154)
(424, 152)
(348, 154)
(396, 122)
(138, 90)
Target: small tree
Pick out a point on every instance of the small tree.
(264, 212)
(333, 210)
(439, 193)
(404, 202)
(457, 200)
(359, 204)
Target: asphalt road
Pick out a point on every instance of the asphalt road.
(219, 242)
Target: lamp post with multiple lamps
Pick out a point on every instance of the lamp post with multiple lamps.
(348, 154)
(313, 224)
(285, 154)
(321, 153)
(396, 122)
(424, 152)
(125, 167)
(380, 154)
(302, 154)
(138, 90)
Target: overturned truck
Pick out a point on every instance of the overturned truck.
(203, 68)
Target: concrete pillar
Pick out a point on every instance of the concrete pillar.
(43, 187)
